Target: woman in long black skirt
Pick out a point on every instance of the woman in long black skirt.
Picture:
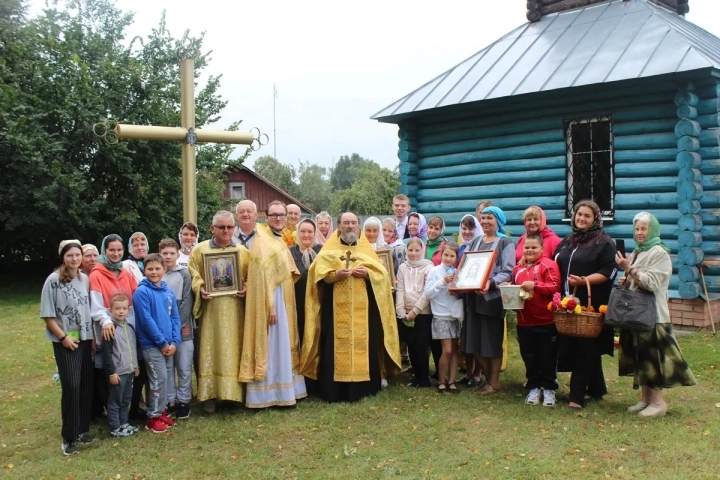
(586, 255)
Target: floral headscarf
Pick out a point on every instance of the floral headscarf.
(595, 235)
(422, 226)
(103, 258)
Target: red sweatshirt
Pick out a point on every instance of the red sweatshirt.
(546, 275)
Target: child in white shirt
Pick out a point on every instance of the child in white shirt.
(445, 322)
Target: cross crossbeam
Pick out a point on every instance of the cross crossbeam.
(185, 133)
(347, 258)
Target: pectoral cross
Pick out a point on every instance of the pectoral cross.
(347, 258)
(111, 131)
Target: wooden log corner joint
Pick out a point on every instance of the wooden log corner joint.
(536, 9)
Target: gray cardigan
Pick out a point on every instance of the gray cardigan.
(180, 282)
(119, 354)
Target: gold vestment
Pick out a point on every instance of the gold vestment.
(221, 326)
(351, 313)
(270, 265)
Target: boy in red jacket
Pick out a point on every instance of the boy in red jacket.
(536, 331)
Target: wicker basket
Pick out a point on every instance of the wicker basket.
(584, 324)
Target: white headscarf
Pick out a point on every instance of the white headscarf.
(380, 243)
(478, 231)
(190, 226)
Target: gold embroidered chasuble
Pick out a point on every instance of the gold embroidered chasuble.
(270, 265)
(221, 324)
(351, 313)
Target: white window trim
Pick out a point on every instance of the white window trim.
(233, 185)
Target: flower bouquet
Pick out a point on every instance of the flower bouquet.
(576, 320)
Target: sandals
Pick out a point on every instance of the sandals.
(452, 388)
(441, 388)
(487, 390)
(477, 382)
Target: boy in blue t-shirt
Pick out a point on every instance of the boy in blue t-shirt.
(157, 321)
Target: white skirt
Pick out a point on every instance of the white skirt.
(281, 387)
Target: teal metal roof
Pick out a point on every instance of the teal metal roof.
(606, 42)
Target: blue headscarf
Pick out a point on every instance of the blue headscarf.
(500, 217)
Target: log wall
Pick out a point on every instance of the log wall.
(666, 152)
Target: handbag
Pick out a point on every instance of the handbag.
(631, 309)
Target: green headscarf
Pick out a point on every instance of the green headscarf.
(653, 235)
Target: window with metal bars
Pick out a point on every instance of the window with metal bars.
(590, 164)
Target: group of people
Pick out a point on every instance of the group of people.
(314, 310)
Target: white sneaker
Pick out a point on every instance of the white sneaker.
(131, 429)
(533, 398)
(383, 383)
(548, 398)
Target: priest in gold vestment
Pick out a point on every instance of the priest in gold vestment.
(220, 318)
(270, 352)
(350, 328)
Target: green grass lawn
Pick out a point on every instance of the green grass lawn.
(401, 433)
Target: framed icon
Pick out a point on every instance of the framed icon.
(386, 259)
(222, 273)
(474, 270)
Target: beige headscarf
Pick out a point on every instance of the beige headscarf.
(321, 239)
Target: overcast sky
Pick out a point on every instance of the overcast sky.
(336, 62)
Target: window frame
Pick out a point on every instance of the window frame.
(233, 185)
(569, 164)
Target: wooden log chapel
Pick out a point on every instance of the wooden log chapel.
(612, 100)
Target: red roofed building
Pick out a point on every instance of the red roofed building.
(241, 183)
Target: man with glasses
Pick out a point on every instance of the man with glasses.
(270, 360)
(220, 317)
(349, 300)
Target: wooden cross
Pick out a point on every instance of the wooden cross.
(186, 133)
(347, 258)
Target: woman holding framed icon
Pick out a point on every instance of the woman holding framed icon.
(484, 325)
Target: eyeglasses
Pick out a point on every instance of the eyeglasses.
(277, 215)
(224, 227)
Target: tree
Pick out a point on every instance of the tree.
(346, 170)
(277, 172)
(64, 71)
(371, 193)
(313, 186)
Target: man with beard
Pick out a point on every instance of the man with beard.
(246, 216)
(270, 353)
(350, 336)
